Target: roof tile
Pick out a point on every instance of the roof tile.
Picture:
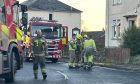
(49, 5)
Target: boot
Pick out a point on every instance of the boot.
(35, 76)
(44, 76)
(71, 67)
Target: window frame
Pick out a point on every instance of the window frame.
(2, 13)
(15, 12)
(117, 2)
(116, 28)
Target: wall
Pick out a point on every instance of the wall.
(113, 12)
(71, 20)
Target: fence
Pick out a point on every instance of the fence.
(117, 55)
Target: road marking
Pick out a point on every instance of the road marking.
(65, 76)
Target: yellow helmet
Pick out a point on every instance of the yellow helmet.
(85, 36)
(78, 36)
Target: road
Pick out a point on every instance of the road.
(60, 74)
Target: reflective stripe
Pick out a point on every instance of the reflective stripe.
(43, 70)
(70, 64)
(36, 71)
(14, 40)
(5, 30)
(18, 33)
(90, 59)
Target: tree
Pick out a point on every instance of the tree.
(131, 39)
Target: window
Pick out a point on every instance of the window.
(117, 2)
(114, 2)
(118, 30)
(15, 14)
(1, 3)
(116, 27)
(48, 31)
(63, 32)
(131, 23)
(50, 17)
(2, 12)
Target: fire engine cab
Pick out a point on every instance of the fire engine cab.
(55, 35)
(11, 51)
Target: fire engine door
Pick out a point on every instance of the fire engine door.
(64, 35)
(4, 32)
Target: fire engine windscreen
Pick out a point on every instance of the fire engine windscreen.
(2, 15)
(47, 31)
(1, 3)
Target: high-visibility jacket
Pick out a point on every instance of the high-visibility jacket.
(23, 38)
(18, 34)
(27, 39)
(39, 46)
(79, 45)
(72, 45)
(90, 43)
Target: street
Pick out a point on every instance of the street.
(60, 74)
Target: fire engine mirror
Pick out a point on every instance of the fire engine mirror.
(23, 8)
(25, 19)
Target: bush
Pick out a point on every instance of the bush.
(131, 39)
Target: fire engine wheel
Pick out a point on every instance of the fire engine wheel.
(11, 75)
(54, 60)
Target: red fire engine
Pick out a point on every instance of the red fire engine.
(55, 34)
(11, 51)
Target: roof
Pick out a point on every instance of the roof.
(49, 5)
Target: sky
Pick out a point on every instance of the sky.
(93, 16)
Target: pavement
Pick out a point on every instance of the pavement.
(130, 67)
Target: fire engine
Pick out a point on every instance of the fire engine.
(55, 35)
(11, 51)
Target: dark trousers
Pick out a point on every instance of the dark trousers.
(39, 60)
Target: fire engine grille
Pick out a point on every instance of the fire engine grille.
(52, 49)
(49, 46)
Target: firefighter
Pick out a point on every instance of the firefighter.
(85, 37)
(89, 48)
(78, 50)
(83, 51)
(39, 50)
(27, 41)
(72, 52)
(27, 44)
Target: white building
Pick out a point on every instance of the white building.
(55, 10)
(120, 15)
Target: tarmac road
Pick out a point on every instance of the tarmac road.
(58, 73)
